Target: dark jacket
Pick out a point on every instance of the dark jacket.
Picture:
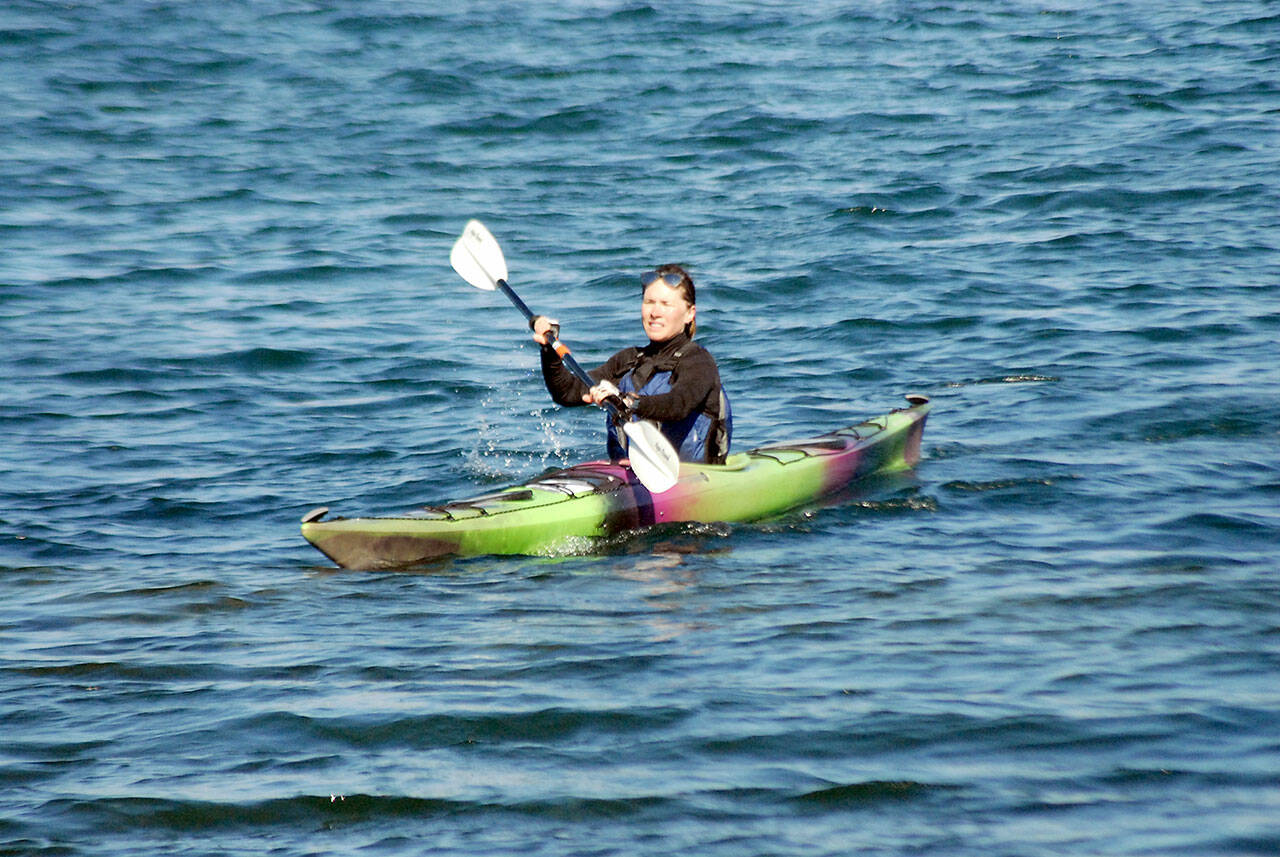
(678, 384)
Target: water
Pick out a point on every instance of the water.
(226, 299)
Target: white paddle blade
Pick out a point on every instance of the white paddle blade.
(477, 257)
(653, 459)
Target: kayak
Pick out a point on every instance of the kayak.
(566, 510)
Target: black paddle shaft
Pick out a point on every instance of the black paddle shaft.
(613, 404)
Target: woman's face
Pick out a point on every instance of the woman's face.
(664, 311)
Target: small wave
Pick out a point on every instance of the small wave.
(1251, 26)
(1188, 418)
(195, 816)
(1235, 526)
(400, 24)
(202, 816)
(575, 120)
(898, 505)
(448, 730)
(135, 277)
(131, 376)
(1017, 378)
(1003, 484)
(23, 36)
(311, 274)
(570, 121)
(102, 672)
(254, 360)
(869, 793)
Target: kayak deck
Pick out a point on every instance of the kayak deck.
(598, 499)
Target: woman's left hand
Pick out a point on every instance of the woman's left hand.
(604, 390)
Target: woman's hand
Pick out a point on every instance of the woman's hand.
(597, 394)
(605, 391)
(541, 326)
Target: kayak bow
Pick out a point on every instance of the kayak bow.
(599, 498)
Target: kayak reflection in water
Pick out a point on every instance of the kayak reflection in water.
(672, 380)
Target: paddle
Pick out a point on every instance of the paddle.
(478, 259)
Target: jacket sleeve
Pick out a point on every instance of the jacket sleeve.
(696, 376)
(565, 389)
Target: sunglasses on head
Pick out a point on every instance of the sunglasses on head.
(652, 277)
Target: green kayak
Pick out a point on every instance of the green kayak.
(564, 510)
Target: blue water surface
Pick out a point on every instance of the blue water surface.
(225, 299)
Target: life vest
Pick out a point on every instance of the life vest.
(702, 436)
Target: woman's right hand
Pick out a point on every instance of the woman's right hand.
(541, 326)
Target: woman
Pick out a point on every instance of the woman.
(672, 380)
